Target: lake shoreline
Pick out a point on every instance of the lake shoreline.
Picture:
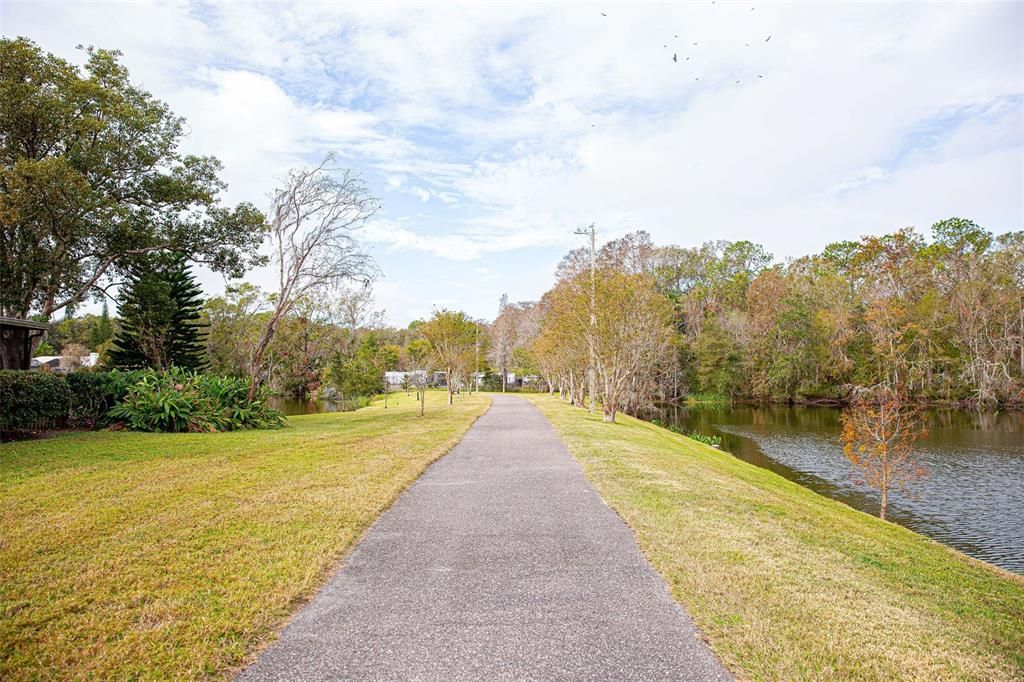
(975, 462)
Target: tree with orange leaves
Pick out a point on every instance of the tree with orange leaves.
(879, 432)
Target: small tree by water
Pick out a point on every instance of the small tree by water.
(880, 428)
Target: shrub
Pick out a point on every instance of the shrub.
(93, 394)
(30, 400)
(178, 400)
(713, 441)
(359, 402)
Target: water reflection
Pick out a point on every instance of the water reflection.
(973, 499)
(294, 406)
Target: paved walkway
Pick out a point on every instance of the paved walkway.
(499, 562)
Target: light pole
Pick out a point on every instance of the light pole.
(592, 369)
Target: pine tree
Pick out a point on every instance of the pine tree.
(160, 311)
(102, 331)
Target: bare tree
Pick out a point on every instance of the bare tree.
(419, 351)
(313, 216)
(503, 338)
(354, 311)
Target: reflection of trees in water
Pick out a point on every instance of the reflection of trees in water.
(956, 426)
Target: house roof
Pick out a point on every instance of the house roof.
(27, 324)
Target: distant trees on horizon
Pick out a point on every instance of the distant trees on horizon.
(940, 319)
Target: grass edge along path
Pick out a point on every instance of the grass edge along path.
(152, 556)
(788, 584)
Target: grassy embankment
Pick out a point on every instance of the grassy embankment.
(787, 584)
(127, 555)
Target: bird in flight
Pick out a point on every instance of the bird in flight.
(675, 57)
(695, 43)
(737, 82)
(603, 14)
(768, 38)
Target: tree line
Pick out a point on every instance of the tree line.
(938, 317)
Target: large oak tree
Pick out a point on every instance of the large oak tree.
(92, 175)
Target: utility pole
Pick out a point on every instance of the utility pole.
(592, 369)
(476, 377)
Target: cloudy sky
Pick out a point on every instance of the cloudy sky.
(491, 132)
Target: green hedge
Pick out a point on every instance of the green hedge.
(143, 400)
(93, 394)
(32, 399)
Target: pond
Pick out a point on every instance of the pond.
(294, 406)
(973, 498)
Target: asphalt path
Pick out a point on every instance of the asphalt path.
(500, 562)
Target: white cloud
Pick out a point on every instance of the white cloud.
(420, 193)
(868, 175)
(454, 247)
(258, 130)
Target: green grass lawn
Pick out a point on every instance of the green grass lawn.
(787, 584)
(126, 555)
